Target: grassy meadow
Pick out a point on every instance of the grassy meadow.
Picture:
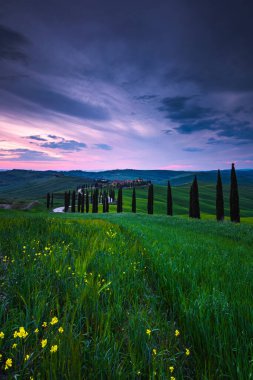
(123, 296)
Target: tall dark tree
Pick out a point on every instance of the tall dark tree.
(95, 201)
(219, 199)
(73, 203)
(134, 200)
(234, 197)
(82, 200)
(87, 202)
(79, 201)
(52, 200)
(194, 210)
(169, 200)
(48, 200)
(66, 201)
(104, 196)
(120, 200)
(107, 203)
(150, 205)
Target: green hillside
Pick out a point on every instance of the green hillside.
(21, 187)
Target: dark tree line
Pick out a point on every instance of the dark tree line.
(84, 198)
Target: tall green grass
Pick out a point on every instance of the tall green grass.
(109, 279)
(92, 276)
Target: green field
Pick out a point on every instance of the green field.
(120, 285)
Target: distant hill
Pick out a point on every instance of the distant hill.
(35, 184)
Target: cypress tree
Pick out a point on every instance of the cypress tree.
(82, 201)
(107, 203)
(87, 202)
(79, 201)
(219, 199)
(234, 197)
(65, 201)
(52, 200)
(134, 201)
(150, 199)
(95, 201)
(104, 201)
(48, 200)
(194, 210)
(119, 200)
(190, 204)
(169, 200)
(73, 204)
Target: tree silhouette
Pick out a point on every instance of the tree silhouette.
(234, 198)
(219, 199)
(134, 200)
(150, 205)
(194, 210)
(169, 200)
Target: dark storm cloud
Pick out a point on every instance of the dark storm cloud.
(239, 131)
(53, 137)
(25, 155)
(70, 145)
(12, 44)
(103, 146)
(193, 149)
(181, 109)
(196, 126)
(36, 137)
(56, 102)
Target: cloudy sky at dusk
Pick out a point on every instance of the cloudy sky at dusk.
(106, 84)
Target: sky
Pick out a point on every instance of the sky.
(111, 84)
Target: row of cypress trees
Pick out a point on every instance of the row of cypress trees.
(194, 207)
(83, 201)
(50, 200)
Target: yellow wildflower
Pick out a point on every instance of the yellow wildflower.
(27, 357)
(148, 332)
(1, 357)
(177, 333)
(43, 343)
(21, 333)
(44, 324)
(60, 329)
(187, 352)
(54, 349)
(1, 335)
(172, 378)
(8, 363)
(36, 330)
(14, 345)
(54, 321)
(171, 368)
(154, 352)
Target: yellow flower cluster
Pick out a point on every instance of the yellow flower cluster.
(43, 343)
(1, 335)
(21, 333)
(54, 349)
(8, 363)
(54, 321)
